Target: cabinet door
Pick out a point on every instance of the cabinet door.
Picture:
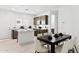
(35, 21)
(14, 34)
(46, 19)
(41, 20)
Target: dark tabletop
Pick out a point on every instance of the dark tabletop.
(57, 40)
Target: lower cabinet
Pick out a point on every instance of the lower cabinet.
(42, 31)
(14, 34)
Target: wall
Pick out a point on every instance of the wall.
(68, 20)
(64, 19)
(8, 19)
(26, 19)
(75, 21)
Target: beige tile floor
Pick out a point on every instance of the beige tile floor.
(11, 46)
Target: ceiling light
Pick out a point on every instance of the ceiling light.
(13, 8)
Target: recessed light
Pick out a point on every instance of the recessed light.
(13, 8)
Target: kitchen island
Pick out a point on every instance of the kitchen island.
(23, 36)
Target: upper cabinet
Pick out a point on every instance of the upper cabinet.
(41, 20)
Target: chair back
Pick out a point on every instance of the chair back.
(68, 45)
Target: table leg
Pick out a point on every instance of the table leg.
(52, 48)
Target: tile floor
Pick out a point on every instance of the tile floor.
(11, 46)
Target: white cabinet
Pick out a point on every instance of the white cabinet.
(25, 36)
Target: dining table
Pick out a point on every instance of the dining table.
(54, 40)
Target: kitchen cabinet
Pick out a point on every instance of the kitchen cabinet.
(41, 20)
(40, 31)
(14, 34)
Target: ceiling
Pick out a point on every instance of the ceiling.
(29, 9)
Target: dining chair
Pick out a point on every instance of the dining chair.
(40, 47)
(69, 46)
(77, 45)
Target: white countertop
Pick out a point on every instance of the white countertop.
(24, 30)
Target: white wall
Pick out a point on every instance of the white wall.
(64, 19)
(75, 21)
(68, 20)
(8, 19)
(26, 19)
